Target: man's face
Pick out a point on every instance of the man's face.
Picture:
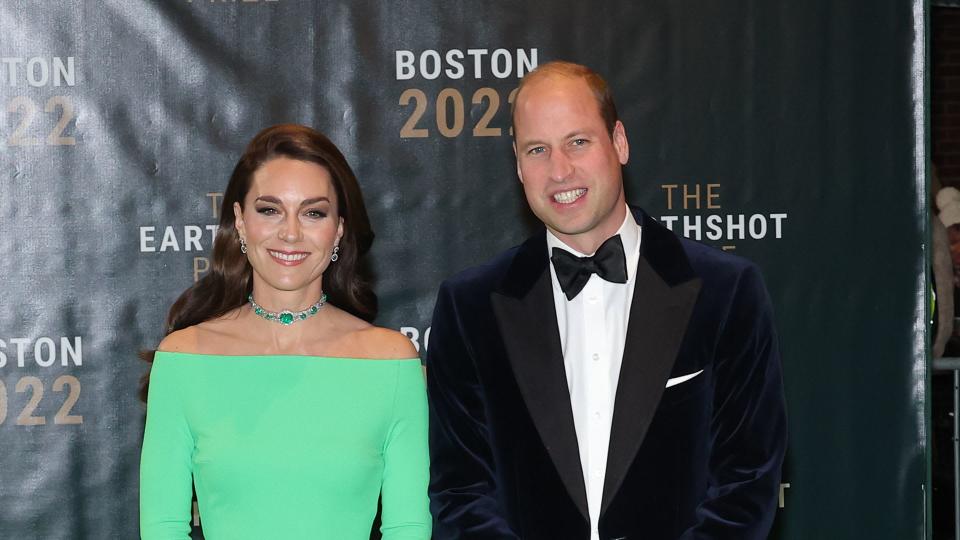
(568, 162)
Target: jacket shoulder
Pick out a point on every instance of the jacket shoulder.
(727, 279)
(708, 258)
(483, 277)
(677, 258)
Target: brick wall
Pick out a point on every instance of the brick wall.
(945, 93)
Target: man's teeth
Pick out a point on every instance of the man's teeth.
(567, 197)
(289, 256)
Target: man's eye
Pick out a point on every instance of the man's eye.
(536, 150)
(579, 142)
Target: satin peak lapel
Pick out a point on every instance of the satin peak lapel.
(658, 319)
(527, 320)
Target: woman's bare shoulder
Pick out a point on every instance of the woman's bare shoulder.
(181, 341)
(385, 344)
(364, 340)
(208, 337)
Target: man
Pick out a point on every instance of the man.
(633, 394)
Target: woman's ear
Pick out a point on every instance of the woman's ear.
(238, 219)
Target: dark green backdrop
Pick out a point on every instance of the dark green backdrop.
(796, 130)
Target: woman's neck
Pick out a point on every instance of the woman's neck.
(273, 299)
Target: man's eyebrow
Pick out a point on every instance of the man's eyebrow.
(530, 142)
(577, 133)
(573, 134)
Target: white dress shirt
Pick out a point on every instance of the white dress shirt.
(593, 329)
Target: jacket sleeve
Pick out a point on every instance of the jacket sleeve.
(462, 476)
(166, 471)
(749, 426)
(406, 468)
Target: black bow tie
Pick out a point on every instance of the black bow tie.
(573, 272)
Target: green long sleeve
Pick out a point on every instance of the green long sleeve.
(165, 463)
(406, 456)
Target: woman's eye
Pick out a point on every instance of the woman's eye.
(267, 210)
(316, 214)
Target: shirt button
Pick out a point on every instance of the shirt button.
(596, 357)
(597, 414)
(598, 473)
(592, 299)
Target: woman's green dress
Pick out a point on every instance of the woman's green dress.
(290, 447)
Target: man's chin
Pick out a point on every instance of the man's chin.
(573, 233)
(573, 223)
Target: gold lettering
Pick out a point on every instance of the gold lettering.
(56, 137)
(26, 417)
(711, 196)
(447, 128)
(669, 189)
(28, 110)
(450, 112)
(493, 98)
(63, 416)
(35, 387)
(510, 99)
(695, 196)
(215, 197)
(409, 129)
(3, 402)
(200, 267)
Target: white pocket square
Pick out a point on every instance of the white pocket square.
(682, 379)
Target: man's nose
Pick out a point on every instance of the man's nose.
(561, 168)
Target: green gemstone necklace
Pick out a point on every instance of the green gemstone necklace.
(286, 316)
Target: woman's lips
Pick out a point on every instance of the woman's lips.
(288, 258)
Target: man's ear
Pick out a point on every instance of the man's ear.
(620, 143)
(519, 172)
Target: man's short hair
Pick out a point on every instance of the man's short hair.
(596, 83)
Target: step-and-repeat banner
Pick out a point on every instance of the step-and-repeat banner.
(791, 133)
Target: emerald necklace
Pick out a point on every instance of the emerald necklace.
(286, 316)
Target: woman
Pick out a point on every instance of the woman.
(271, 393)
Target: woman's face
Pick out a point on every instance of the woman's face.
(291, 222)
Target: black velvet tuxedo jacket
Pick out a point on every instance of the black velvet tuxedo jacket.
(698, 460)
